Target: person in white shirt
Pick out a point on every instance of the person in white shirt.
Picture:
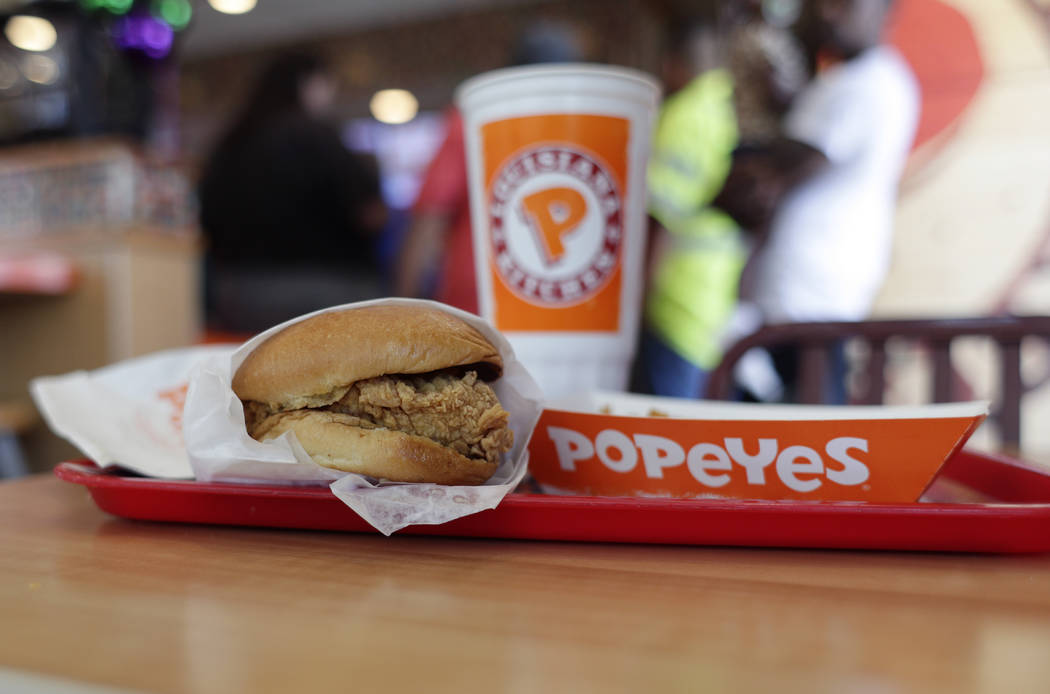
(829, 245)
(829, 241)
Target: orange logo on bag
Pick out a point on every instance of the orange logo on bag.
(176, 398)
(555, 220)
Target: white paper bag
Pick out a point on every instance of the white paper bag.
(127, 414)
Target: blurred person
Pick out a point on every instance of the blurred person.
(289, 213)
(698, 249)
(768, 64)
(437, 258)
(830, 238)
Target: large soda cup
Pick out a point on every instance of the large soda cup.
(556, 159)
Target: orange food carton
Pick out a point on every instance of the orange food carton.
(614, 444)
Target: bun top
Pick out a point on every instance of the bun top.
(311, 363)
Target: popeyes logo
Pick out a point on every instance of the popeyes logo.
(556, 225)
(883, 460)
(713, 465)
(175, 398)
(163, 425)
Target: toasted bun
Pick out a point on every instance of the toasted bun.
(311, 363)
(333, 440)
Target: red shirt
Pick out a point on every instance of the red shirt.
(445, 191)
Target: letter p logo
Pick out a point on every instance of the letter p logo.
(551, 214)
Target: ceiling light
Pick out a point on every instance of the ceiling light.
(232, 6)
(393, 106)
(30, 33)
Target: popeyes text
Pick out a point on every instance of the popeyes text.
(800, 468)
(882, 460)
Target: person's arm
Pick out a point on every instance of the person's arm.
(795, 161)
(421, 252)
(761, 177)
(442, 195)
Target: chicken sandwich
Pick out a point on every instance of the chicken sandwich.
(393, 392)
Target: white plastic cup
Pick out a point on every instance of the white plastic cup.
(556, 159)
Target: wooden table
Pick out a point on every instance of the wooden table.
(173, 608)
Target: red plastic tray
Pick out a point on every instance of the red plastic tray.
(1013, 517)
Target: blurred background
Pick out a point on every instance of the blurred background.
(111, 112)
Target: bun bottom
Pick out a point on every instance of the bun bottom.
(334, 440)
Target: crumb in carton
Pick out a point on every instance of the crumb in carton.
(653, 412)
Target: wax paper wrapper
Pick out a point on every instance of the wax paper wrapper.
(220, 449)
(127, 414)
